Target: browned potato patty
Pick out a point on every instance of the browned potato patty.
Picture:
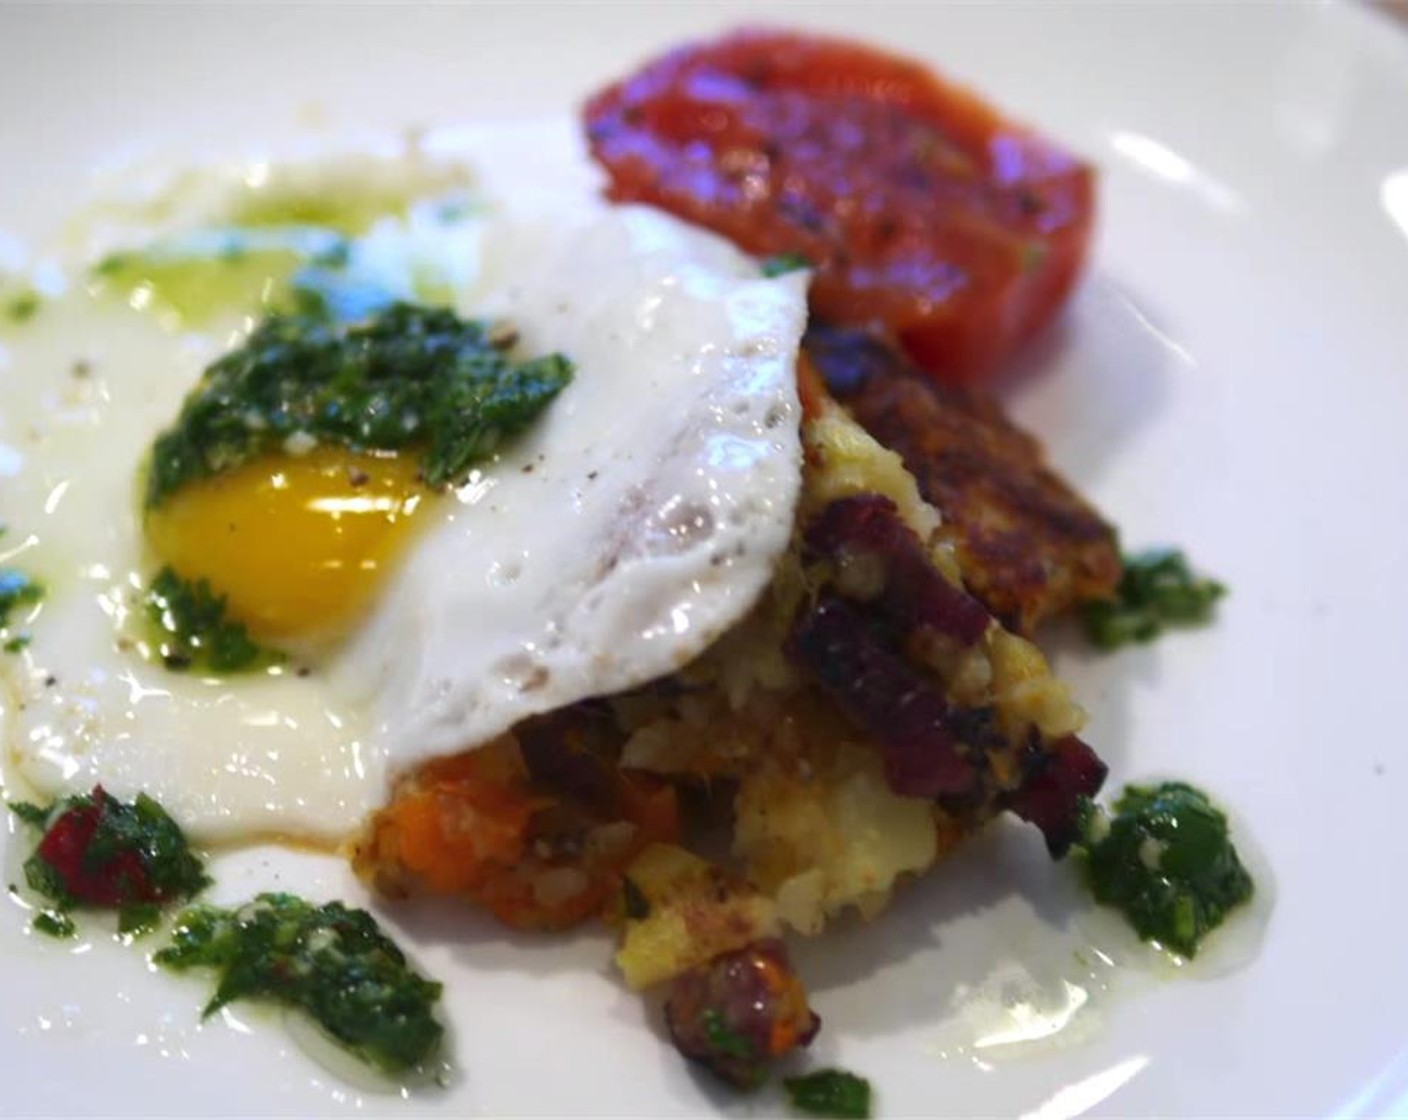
(1028, 545)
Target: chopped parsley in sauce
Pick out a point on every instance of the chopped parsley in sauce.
(409, 377)
(351, 198)
(98, 852)
(196, 276)
(23, 307)
(18, 589)
(723, 1038)
(783, 263)
(1165, 858)
(254, 247)
(1158, 590)
(830, 1092)
(331, 962)
(193, 632)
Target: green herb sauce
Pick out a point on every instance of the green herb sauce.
(138, 918)
(33, 815)
(831, 1092)
(634, 901)
(330, 962)
(348, 200)
(347, 228)
(783, 263)
(1158, 590)
(410, 377)
(17, 589)
(197, 276)
(192, 631)
(54, 923)
(23, 307)
(1165, 858)
(723, 1038)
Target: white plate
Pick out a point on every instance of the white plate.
(1233, 377)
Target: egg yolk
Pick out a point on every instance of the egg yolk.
(297, 545)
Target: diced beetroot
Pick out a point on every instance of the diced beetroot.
(858, 667)
(915, 592)
(1058, 778)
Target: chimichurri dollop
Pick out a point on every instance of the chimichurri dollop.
(1165, 858)
(331, 962)
(410, 377)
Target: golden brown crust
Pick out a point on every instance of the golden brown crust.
(1029, 546)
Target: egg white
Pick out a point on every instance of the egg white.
(637, 520)
(249, 756)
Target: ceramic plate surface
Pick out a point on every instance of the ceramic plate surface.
(1232, 377)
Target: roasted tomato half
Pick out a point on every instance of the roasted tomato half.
(921, 207)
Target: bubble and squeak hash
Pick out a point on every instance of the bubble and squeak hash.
(884, 698)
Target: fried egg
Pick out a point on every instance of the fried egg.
(637, 520)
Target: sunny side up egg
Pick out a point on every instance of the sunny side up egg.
(636, 520)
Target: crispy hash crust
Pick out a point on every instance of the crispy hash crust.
(1029, 546)
(867, 716)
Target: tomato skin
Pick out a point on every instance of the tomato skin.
(923, 209)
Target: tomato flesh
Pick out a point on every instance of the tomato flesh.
(922, 208)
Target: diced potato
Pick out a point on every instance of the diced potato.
(1025, 691)
(849, 461)
(695, 913)
(833, 837)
